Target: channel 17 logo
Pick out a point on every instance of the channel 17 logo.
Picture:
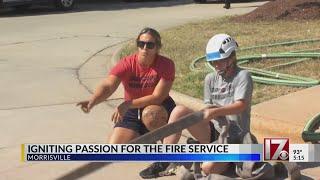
(276, 149)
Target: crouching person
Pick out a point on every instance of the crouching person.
(147, 78)
(227, 94)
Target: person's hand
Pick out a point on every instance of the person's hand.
(124, 107)
(116, 117)
(209, 113)
(85, 106)
(120, 111)
(209, 107)
(206, 114)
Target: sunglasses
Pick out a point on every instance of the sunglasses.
(149, 45)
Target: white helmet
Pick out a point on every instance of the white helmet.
(220, 47)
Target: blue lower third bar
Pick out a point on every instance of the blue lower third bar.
(145, 157)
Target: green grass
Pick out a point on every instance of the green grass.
(185, 43)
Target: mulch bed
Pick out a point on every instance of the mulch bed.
(283, 10)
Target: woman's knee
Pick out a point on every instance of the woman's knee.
(179, 111)
(154, 116)
(206, 168)
(216, 168)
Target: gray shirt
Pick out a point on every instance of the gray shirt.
(219, 91)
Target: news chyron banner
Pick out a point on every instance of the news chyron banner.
(142, 152)
(273, 149)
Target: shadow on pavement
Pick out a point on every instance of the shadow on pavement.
(306, 177)
(84, 170)
(306, 165)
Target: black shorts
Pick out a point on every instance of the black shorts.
(131, 119)
(214, 133)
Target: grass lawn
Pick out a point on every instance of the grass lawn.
(185, 43)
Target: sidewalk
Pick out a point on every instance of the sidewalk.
(287, 115)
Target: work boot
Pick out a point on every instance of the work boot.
(226, 6)
(153, 170)
(192, 141)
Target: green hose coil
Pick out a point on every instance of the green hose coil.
(268, 77)
(309, 133)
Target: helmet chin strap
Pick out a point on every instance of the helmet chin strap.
(226, 69)
(221, 72)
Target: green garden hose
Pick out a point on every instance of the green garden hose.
(268, 77)
(281, 44)
(309, 133)
(287, 63)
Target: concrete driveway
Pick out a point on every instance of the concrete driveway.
(46, 67)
